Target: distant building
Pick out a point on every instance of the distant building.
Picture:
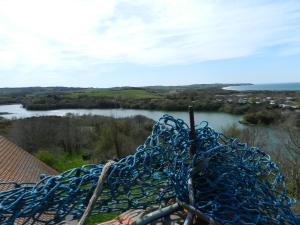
(284, 106)
(296, 107)
(17, 165)
(242, 101)
(289, 98)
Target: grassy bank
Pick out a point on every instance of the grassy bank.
(63, 161)
(131, 93)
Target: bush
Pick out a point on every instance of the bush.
(232, 131)
(262, 117)
(251, 118)
(46, 157)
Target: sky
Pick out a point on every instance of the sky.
(101, 43)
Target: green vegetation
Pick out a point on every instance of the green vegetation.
(130, 93)
(262, 117)
(16, 95)
(71, 141)
(203, 97)
(191, 87)
(5, 126)
(61, 162)
(103, 217)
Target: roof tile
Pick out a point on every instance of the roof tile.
(17, 165)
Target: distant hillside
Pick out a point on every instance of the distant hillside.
(201, 96)
(31, 90)
(40, 90)
(192, 86)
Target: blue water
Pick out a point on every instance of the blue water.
(267, 87)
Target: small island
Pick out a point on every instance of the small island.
(4, 113)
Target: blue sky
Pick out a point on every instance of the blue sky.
(100, 43)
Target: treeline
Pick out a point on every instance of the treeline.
(77, 140)
(263, 117)
(8, 99)
(59, 101)
(17, 95)
(201, 100)
(211, 98)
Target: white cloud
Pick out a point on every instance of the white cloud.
(72, 34)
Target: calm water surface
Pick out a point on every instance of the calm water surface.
(216, 120)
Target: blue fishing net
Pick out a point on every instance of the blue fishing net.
(233, 183)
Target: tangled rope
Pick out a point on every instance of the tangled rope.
(233, 183)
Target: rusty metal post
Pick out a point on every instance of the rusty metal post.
(190, 217)
(192, 132)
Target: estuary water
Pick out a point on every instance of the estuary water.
(217, 120)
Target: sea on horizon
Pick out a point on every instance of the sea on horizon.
(266, 87)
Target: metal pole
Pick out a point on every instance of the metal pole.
(149, 218)
(192, 132)
(201, 216)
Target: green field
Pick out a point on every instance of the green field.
(131, 93)
(102, 217)
(61, 162)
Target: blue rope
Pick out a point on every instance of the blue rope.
(233, 182)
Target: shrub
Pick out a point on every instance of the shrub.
(46, 157)
(262, 117)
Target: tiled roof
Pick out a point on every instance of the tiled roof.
(17, 165)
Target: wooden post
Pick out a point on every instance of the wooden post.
(190, 216)
(192, 132)
(96, 193)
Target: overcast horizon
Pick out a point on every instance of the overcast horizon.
(148, 85)
(97, 43)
